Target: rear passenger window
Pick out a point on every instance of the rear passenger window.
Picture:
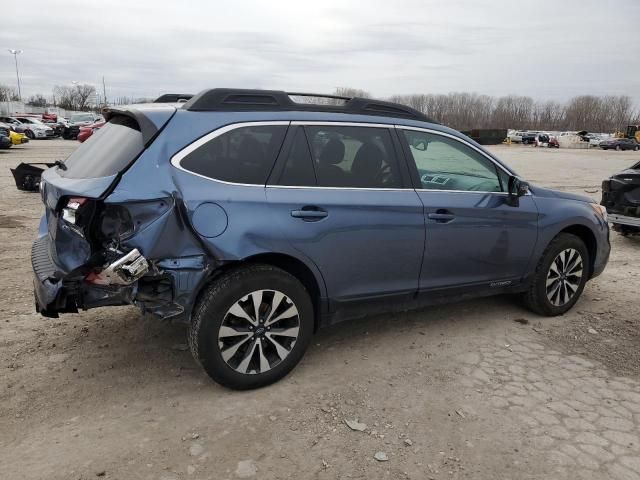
(242, 155)
(357, 157)
(298, 169)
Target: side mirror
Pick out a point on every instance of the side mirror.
(421, 145)
(516, 189)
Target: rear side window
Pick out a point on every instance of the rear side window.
(242, 155)
(354, 157)
(109, 150)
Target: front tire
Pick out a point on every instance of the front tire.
(560, 277)
(251, 326)
(618, 148)
(30, 135)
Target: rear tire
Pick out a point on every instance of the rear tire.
(556, 286)
(265, 350)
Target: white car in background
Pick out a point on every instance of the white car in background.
(33, 127)
(515, 136)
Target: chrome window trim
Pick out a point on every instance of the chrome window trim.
(408, 189)
(461, 191)
(179, 156)
(326, 123)
(464, 142)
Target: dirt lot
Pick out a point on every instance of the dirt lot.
(477, 390)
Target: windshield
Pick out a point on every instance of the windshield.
(82, 117)
(109, 150)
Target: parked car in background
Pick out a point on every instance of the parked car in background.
(5, 138)
(515, 136)
(621, 197)
(86, 132)
(34, 128)
(15, 137)
(529, 137)
(78, 120)
(257, 219)
(58, 127)
(541, 140)
(619, 144)
(14, 124)
(594, 139)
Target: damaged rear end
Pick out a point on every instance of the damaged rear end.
(93, 250)
(621, 197)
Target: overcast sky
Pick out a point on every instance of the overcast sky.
(543, 48)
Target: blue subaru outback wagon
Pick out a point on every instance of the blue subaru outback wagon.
(258, 216)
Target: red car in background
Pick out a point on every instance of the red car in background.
(86, 132)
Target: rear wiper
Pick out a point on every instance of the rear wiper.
(60, 164)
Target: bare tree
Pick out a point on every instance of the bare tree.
(82, 94)
(75, 97)
(37, 100)
(64, 96)
(8, 94)
(351, 92)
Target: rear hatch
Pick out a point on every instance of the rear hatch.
(73, 190)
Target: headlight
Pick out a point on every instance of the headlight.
(600, 210)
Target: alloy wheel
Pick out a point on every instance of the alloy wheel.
(564, 277)
(259, 331)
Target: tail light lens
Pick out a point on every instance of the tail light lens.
(71, 211)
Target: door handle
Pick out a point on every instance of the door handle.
(441, 216)
(310, 214)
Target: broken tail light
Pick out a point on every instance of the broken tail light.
(70, 212)
(116, 223)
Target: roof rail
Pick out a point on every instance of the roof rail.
(246, 100)
(173, 98)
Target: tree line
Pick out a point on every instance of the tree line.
(464, 111)
(459, 110)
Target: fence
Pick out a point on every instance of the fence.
(12, 108)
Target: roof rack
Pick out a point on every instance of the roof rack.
(246, 100)
(173, 98)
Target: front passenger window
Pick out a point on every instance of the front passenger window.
(444, 163)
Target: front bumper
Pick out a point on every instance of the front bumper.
(624, 220)
(43, 133)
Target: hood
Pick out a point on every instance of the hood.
(633, 170)
(549, 193)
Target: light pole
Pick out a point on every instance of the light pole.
(15, 54)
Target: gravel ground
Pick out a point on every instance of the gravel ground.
(479, 390)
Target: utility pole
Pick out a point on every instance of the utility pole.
(104, 92)
(15, 54)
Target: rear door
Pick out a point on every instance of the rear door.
(342, 198)
(473, 237)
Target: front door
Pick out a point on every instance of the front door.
(343, 201)
(473, 236)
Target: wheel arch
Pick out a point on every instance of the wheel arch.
(311, 280)
(585, 234)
